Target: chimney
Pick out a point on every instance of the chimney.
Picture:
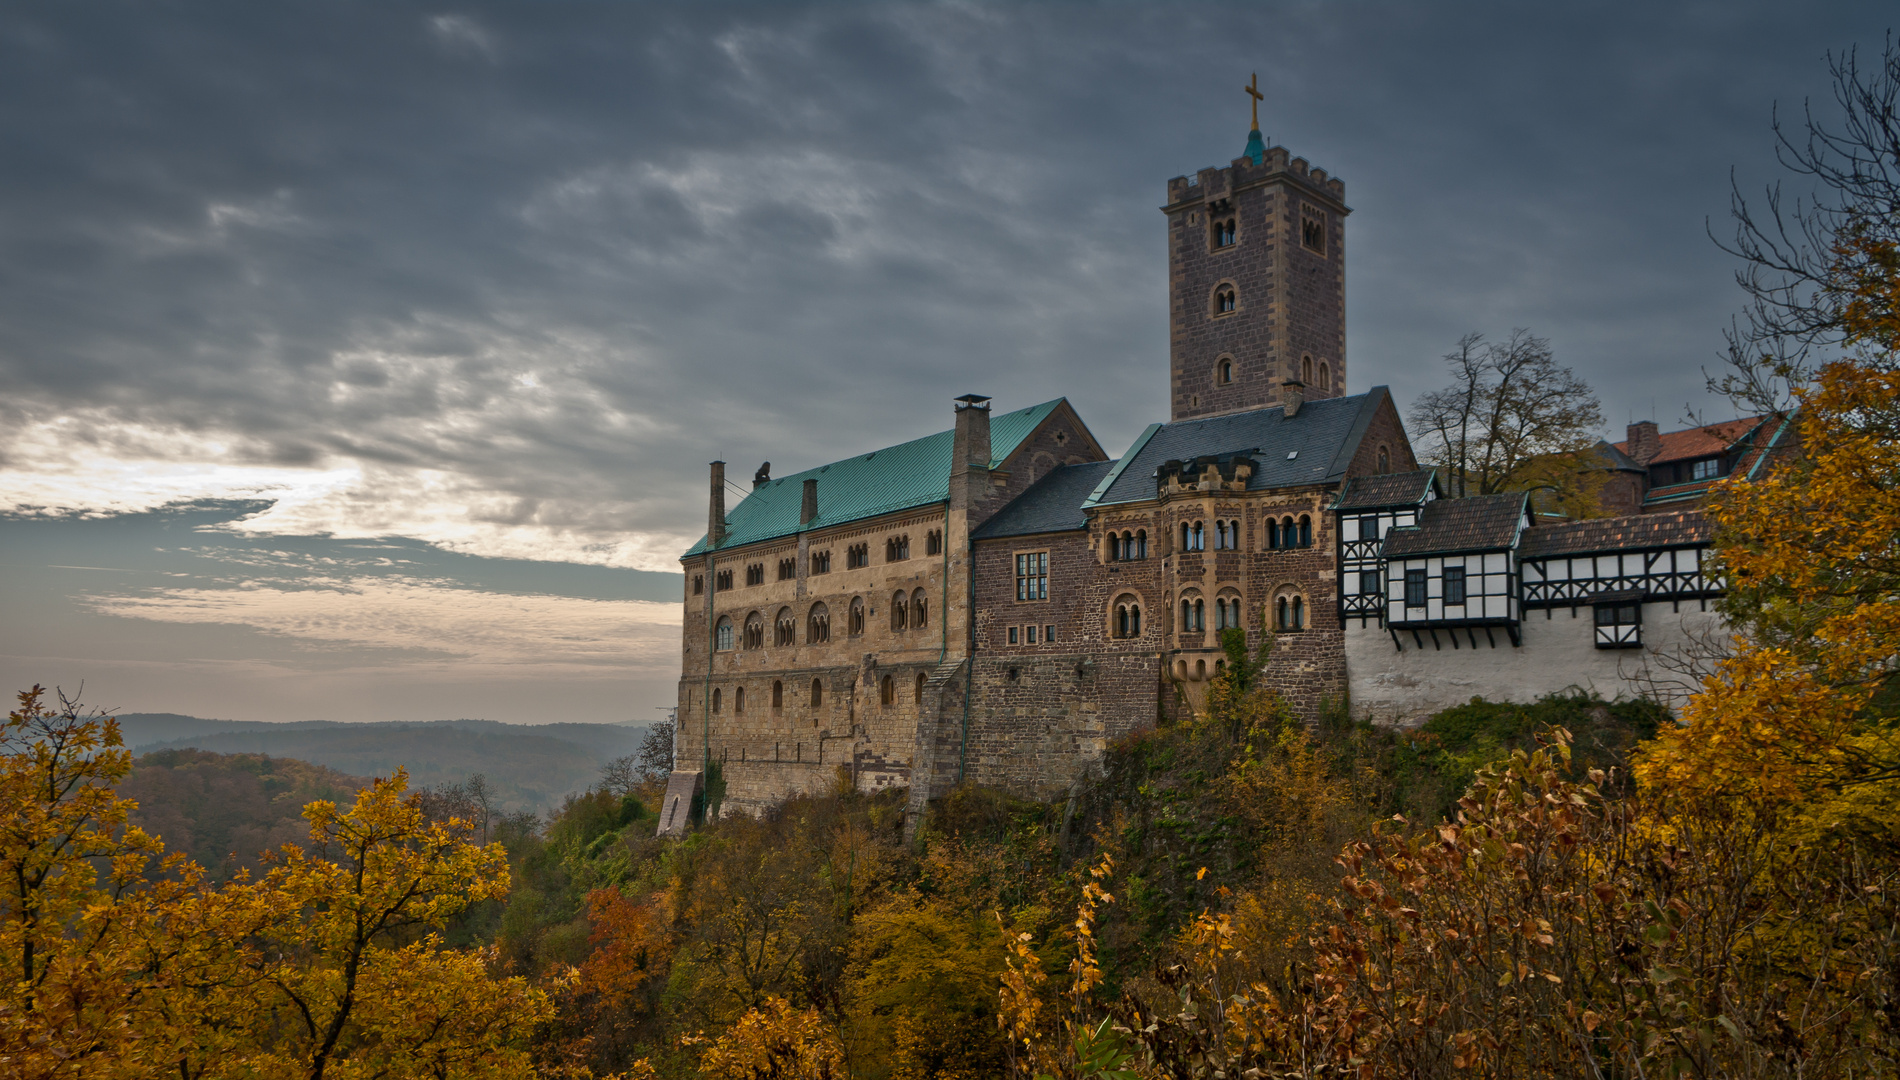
(1644, 442)
(808, 509)
(1292, 396)
(716, 514)
(970, 452)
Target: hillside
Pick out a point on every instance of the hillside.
(223, 810)
(528, 767)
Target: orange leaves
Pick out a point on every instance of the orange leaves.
(628, 946)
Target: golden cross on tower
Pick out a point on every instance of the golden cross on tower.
(1253, 91)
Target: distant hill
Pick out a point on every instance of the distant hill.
(222, 811)
(529, 767)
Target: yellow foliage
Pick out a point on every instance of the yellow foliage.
(325, 966)
(775, 1042)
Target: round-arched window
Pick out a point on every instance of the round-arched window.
(722, 636)
(1226, 372)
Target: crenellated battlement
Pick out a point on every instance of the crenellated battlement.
(1218, 182)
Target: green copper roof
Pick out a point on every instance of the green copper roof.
(916, 473)
(1256, 149)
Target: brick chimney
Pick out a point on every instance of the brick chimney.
(1644, 442)
(716, 513)
(1292, 396)
(970, 453)
(808, 509)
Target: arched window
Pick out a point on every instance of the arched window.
(1385, 460)
(738, 700)
(1299, 613)
(1306, 370)
(854, 621)
(1273, 534)
(1199, 534)
(1187, 615)
(1141, 544)
(755, 631)
(778, 695)
(1186, 535)
(1325, 376)
(920, 689)
(722, 635)
(919, 610)
(1224, 300)
(1200, 615)
(900, 607)
(818, 623)
(1226, 372)
(1306, 531)
(716, 700)
(1283, 615)
(785, 628)
(817, 693)
(887, 692)
(1114, 547)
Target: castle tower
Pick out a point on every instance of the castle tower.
(1256, 282)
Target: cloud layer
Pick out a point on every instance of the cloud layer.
(505, 277)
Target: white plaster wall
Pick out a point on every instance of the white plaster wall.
(1558, 652)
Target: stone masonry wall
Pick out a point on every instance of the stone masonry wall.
(1290, 301)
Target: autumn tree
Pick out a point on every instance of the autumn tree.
(1513, 419)
(328, 964)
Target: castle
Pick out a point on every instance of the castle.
(996, 602)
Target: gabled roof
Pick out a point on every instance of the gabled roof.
(1698, 442)
(1679, 528)
(1616, 459)
(916, 473)
(1051, 504)
(1388, 489)
(1479, 523)
(1313, 446)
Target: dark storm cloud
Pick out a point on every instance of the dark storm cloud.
(563, 254)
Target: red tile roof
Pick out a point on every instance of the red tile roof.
(1697, 442)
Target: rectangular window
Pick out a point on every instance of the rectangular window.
(1368, 583)
(1012, 635)
(1708, 470)
(1455, 585)
(1048, 635)
(1368, 528)
(1029, 635)
(1415, 588)
(1032, 576)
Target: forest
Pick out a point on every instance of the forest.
(1569, 887)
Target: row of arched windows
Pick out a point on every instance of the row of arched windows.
(1127, 546)
(908, 610)
(1284, 532)
(1289, 614)
(1307, 373)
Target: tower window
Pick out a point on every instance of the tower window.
(1306, 370)
(817, 693)
(1225, 300)
(699, 584)
(1224, 232)
(1226, 372)
(1313, 229)
(1325, 376)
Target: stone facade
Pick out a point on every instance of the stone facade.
(1272, 238)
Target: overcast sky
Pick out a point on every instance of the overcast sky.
(335, 335)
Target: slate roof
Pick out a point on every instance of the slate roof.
(916, 473)
(1389, 489)
(1051, 504)
(1617, 459)
(1634, 533)
(1320, 438)
(1479, 523)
